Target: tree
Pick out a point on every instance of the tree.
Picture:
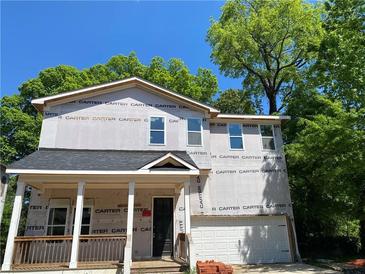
(268, 43)
(325, 165)
(236, 102)
(339, 70)
(340, 74)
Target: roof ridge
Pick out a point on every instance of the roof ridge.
(40, 102)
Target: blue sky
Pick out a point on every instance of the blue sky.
(38, 35)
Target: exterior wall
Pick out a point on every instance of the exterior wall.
(109, 213)
(120, 121)
(247, 182)
(243, 182)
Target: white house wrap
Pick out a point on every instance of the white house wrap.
(231, 166)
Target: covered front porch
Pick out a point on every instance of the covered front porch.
(90, 220)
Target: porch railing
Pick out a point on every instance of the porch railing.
(181, 247)
(57, 249)
(185, 248)
(101, 248)
(43, 249)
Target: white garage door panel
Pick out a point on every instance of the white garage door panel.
(241, 239)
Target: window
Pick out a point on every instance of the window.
(57, 221)
(85, 223)
(267, 137)
(194, 131)
(235, 136)
(157, 131)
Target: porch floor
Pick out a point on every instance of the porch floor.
(154, 265)
(64, 266)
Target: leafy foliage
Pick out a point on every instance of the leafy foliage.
(268, 43)
(236, 102)
(340, 70)
(325, 164)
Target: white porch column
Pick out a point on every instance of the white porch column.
(14, 224)
(187, 206)
(128, 246)
(77, 225)
(190, 247)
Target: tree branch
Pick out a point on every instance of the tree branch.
(251, 70)
(295, 60)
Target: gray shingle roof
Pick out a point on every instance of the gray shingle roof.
(103, 160)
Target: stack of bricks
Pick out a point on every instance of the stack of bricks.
(212, 267)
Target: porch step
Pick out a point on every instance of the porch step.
(155, 271)
(158, 266)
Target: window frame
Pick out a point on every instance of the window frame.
(193, 131)
(229, 137)
(164, 130)
(261, 137)
(54, 204)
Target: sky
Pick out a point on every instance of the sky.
(39, 35)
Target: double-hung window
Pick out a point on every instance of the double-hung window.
(235, 136)
(267, 137)
(194, 131)
(57, 217)
(157, 131)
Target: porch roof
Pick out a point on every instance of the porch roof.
(94, 160)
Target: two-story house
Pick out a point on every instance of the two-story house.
(130, 171)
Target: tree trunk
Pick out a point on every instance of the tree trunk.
(272, 101)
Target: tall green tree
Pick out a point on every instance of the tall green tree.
(339, 73)
(325, 165)
(339, 70)
(268, 43)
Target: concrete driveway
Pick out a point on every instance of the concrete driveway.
(282, 269)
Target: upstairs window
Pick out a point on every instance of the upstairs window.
(267, 137)
(194, 131)
(235, 136)
(157, 131)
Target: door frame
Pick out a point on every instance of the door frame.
(173, 222)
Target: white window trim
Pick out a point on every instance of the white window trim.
(201, 131)
(86, 205)
(58, 203)
(164, 130)
(229, 138)
(273, 136)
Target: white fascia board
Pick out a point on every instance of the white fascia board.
(253, 117)
(43, 100)
(183, 98)
(168, 155)
(100, 172)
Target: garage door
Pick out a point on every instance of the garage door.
(241, 239)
